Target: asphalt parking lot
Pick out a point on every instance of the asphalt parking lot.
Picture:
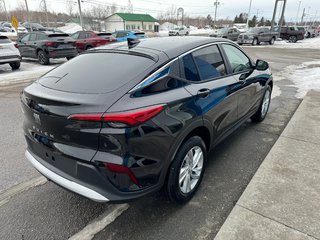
(46, 211)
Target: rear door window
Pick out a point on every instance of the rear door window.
(189, 68)
(33, 37)
(98, 72)
(41, 37)
(238, 60)
(209, 63)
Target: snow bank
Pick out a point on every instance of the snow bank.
(306, 43)
(70, 28)
(305, 77)
(203, 32)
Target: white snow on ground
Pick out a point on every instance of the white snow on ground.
(305, 77)
(306, 43)
(163, 33)
(70, 28)
(276, 92)
(203, 32)
(28, 70)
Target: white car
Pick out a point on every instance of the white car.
(179, 31)
(9, 53)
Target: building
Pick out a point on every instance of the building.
(131, 21)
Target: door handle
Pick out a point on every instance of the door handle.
(203, 93)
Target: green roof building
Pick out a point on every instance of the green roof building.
(130, 21)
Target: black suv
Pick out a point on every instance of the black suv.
(46, 45)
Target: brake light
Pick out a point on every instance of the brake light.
(121, 169)
(16, 45)
(50, 44)
(129, 118)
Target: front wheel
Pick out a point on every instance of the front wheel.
(186, 171)
(261, 114)
(15, 65)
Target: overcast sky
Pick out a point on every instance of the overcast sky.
(227, 8)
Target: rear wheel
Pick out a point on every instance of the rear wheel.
(293, 39)
(261, 114)
(88, 47)
(43, 58)
(187, 170)
(15, 65)
(255, 42)
(271, 42)
(68, 58)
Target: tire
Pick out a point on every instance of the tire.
(240, 44)
(15, 65)
(68, 58)
(261, 114)
(88, 47)
(184, 191)
(187, 33)
(255, 42)
(177, 34)
(309, 35)
(43, 58)
(271, 42)
(293, 39)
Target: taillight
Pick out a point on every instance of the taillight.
(121, 119)
(121, 169)
(16, 45)
(50, 44)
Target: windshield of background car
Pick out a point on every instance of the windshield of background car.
(98, 72)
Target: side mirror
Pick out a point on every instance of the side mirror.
(261, 65)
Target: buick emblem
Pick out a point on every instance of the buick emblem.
(37, 118)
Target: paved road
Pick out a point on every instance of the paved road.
(49, 212)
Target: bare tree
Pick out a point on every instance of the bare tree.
(70, 4)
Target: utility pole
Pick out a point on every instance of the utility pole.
(275, 13)
(303, 15)
(282, 15)
(298, 13)
(216, 4)
(46, 10)
(5, 9)
(249, 13)
(80, 14)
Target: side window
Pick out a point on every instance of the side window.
(25, 38)
(209, 62)
(33, 37)
(75, 35)
(82, 35)
(88, 35)
(41, 37)
(238, 60)
(190, 69)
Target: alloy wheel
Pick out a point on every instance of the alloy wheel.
(191, 169)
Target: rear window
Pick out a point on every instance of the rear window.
(4, 39)
(96, 72)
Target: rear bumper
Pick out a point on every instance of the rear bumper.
(64, 182)
(245, 41)
(9, 59)
(61, 53)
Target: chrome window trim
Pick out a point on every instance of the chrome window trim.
(142, 83)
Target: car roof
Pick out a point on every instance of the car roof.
(171, 46)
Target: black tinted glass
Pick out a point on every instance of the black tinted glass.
(190, 69)
(4, 39)
(96, 72)
(209, 62)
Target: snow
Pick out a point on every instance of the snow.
(70, 28)
(29, 70)
(306, 43)
(202, 31)
(305, 77)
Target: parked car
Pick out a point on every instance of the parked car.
(179, 31)
(124, 35)
(10, 28)
(46, 45)
(310, 31)
(291, 33)
(9, 53)
(89, 39)
(8, 32)
(115, 133)
(257, 35)
(34, 26)
(229, 33)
